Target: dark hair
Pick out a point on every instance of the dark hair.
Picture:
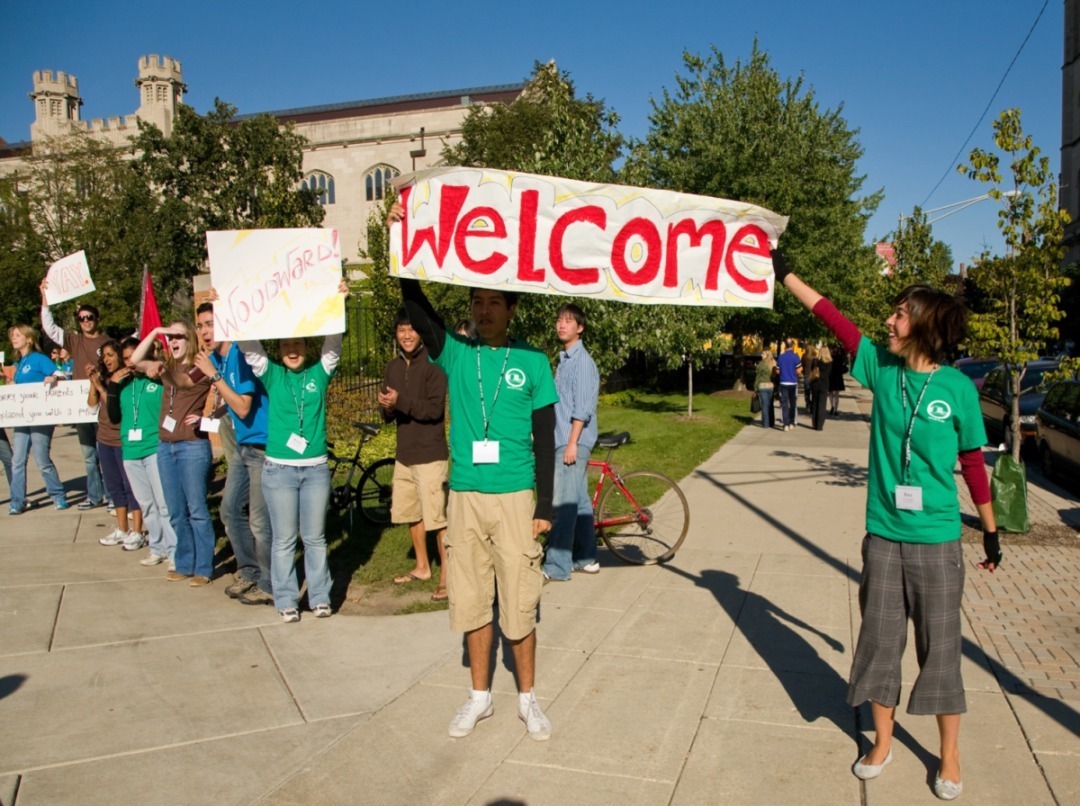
(130, 341)
(511, 297)
(206, 307)
(116, 347)
(467, 328)
(89, 309)
(574, 311)
(402, 318)
(938, 321)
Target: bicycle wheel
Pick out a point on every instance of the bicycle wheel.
(645, 520)
(374, 491)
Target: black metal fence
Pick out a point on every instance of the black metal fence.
(365, 352)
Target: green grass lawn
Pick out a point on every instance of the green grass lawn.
(663, 438)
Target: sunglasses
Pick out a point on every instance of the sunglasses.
(87, 318)
(175, 337)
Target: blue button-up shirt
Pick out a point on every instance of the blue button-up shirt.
(578, 384)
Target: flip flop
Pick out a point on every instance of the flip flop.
(440, 595)
(409, 577)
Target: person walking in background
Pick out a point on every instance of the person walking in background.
(809, 361)
(413, 396)
(184, 455)
(925, 416)
(788, 363)
(134, 403)
(110, 454)
(819, 387)
(246, 430)
(572, 541)
(763, 385)
(836, 378)
(296, 477)
(84, 349)
(33, 366)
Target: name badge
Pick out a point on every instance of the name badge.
(909, 498)
(485, 453)
(169, 424)
(134, 435)
(296, 443)
(209, 425)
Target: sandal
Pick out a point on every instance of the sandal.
(409, 577)
(440, 595)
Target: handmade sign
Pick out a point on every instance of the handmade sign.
(276, 283)
(522, 232)
(35, 404)
(69, 277)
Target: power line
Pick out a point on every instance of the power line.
(982, 117)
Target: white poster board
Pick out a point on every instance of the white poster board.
(543, 234)
(35, 404)
(276, 283)
(69, 277)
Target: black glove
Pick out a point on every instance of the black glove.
(992, 547)
(779, 266)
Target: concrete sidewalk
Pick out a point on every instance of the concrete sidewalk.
(718, 678)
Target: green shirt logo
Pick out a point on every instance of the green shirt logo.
(515, 378)
(939, 410)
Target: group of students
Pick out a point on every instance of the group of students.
(149, 452)
(822, 370)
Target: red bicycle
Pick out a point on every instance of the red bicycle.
(642, 516)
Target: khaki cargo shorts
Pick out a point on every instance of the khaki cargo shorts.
(420, 494)
(490, 539)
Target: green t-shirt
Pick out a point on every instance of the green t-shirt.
(140, 409)
(949, 421)
(292, 393)
(510, 395)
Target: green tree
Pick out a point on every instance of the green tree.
(920, 258)
(742, 132)
(214, 172)
(1022, 289)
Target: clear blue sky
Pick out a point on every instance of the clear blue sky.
(912, 77)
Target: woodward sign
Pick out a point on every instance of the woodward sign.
(541, 234)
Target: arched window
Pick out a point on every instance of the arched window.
(377, 181)
(322, 184)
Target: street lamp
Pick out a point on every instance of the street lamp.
(956, 207)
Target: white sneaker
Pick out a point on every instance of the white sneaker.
(538, 725)
(153, 559)
(469, 714)
(172, 565)
(134, 541)
(589, 568)
(114, 538)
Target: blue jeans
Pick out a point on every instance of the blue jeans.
(36, 438)
(297, 497)
(146, 485)
(183, 467)
(249, 534)
(95, 486)
(788, 394)
(5, 457)
(572, 542)
(765, 393)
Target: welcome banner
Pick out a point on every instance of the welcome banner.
(541, 234)
(276, 283)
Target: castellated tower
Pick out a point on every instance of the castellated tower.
(56, 104)
(161, 90)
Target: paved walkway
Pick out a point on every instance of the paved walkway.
(719, 678)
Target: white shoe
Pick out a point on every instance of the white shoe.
(589, 568)
(864, 772)
(134, 541)
(153, 559)
(114, 538)
(469, 714)
(538, 725)
(172, 565)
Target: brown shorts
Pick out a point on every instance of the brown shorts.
(420, 494)
(490, 539)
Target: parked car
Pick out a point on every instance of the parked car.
(995, 400)
(1058, 430)
(976, 368)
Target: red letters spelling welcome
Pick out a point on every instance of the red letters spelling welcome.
(662, 244)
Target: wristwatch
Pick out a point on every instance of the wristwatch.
(216, 377)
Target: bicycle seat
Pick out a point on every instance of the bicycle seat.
(613, 440)
(371, 429)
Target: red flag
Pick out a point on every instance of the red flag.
(149, 318)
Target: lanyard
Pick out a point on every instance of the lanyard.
(172, 398)
(498, 386)
(906, 446)
(299, 404)
(135, 402)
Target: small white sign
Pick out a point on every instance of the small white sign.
(69, 277)
(36, 404)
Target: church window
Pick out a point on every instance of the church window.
(377, 181)
(322, 184)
